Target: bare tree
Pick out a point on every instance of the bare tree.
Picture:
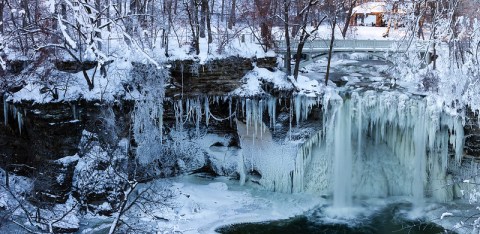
(288, 55)
(350, 5)
(2, 20)
(192, 11)
(304, 33)
(232, 18)
(333, 23)
(263, 9)
(208, 20)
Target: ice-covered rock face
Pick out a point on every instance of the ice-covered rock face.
(373, 144)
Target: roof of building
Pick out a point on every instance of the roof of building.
(370, 7)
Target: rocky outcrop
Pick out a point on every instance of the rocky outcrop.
(74, 66)
(216, 77)
(34, 136)
(472, 135)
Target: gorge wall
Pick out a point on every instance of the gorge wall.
(34, 136)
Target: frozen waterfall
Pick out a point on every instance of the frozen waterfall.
(384, 144)
(373, 144)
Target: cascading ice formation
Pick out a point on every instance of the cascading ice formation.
(380, 144)
(15, 112)
(272, 159)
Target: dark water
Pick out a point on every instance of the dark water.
(386, 220)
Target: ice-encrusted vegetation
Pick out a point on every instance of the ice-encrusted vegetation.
(288, 134)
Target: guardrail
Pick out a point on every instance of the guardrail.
(322, 45)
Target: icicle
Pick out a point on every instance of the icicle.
(459, 140)
(5, 110)
(74, 110)
(207, 111)
(178, 106)
(160, 123)
(290, 117)
(271, 111)
(198, 111)
(260, 115)
(241, 168)
(243, 108)
(248, 112)
(359, 126)
(20, 122)
(230, 110)
(298, 108)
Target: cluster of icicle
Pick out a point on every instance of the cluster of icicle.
(197, 109)
(416, 130)
(15, 112)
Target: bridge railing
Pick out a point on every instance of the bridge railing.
(354, 45)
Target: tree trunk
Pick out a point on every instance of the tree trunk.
(122, 207)
(2, 5)
(24, 4)
(197, 27)
(263, 7)
(222, 12)
(348, 18)
(99, 23)
(304, 36)
(168, 9)
(298, 57)
(434, 31)
(203, 17)
(297, 19)
(330, 50)
(192, 12)
(87, 78)
(7, 178)
(209, 24)
(390, 20)
(119, 8)
(109, 27)
(288, 55)
(232, 19)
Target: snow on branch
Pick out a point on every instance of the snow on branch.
(67, 37)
